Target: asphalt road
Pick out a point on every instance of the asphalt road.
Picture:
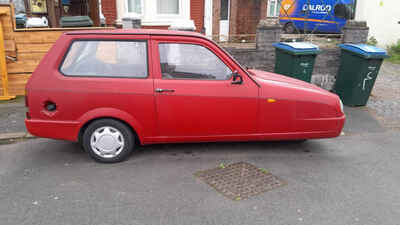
(353, 179)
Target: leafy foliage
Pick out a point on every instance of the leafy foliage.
(372, 41)
(394, 52)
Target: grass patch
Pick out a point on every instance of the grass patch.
(394, 52)
(18, 99)
(264, 170)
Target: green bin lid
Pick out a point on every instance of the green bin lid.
(298, 48)
(367, 51)
(76, 21)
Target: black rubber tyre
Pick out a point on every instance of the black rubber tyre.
(299, 141)
(125, 131)
(289, 28)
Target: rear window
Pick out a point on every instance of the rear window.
(106, 59)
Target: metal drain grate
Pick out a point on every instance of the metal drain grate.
(239, 180)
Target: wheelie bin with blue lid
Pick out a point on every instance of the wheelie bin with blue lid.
(295, 59)
(359, 67)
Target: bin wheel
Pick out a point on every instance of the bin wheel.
(108, 141)
(289, 28)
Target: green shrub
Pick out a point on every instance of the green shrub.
(372, 41)
(394, 52)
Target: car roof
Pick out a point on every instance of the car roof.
(135, 32)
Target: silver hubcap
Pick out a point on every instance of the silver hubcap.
(107, 142)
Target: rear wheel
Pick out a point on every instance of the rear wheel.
(108, 141)
(289, 28)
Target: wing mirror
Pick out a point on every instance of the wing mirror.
(237, 79)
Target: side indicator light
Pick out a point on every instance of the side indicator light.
(271, 100)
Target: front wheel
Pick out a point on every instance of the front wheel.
(108, 141)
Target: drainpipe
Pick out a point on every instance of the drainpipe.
(354, 9)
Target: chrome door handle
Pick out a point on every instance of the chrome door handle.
(159, 90)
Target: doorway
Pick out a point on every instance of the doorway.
(224, 20)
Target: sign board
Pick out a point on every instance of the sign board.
(38, 6)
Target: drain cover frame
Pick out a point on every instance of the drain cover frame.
(239, 180)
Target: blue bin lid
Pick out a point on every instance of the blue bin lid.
(298, 47)
(365, 50)
(20, 16)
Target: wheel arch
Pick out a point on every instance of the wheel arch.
(110, 113)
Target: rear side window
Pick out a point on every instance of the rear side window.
(106, 59)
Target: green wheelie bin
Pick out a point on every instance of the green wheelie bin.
(76, 21)
(359, 67)
(295, 59)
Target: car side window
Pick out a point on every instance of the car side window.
(92, 58)
(190, 61)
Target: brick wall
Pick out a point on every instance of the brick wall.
(109, 10)
(325, 69)
(197, 14)
(235, 11)
(263, 9)
(327, 62)
(216, 17)
(156, 27)
(355, 32)
(263, 56)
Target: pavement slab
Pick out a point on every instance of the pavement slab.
(385, 98)
(12, 117)
(361, 120)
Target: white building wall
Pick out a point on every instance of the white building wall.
(150, 17)
(382, 17)
(208, 17)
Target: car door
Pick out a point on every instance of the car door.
(101, 75)
(195, 96)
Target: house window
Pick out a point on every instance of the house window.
(135, 6)
(273, 8)
(168, 6)
(224, 13)
(154, 12)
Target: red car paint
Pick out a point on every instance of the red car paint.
(265, 106)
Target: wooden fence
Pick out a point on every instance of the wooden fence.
(23, 50)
